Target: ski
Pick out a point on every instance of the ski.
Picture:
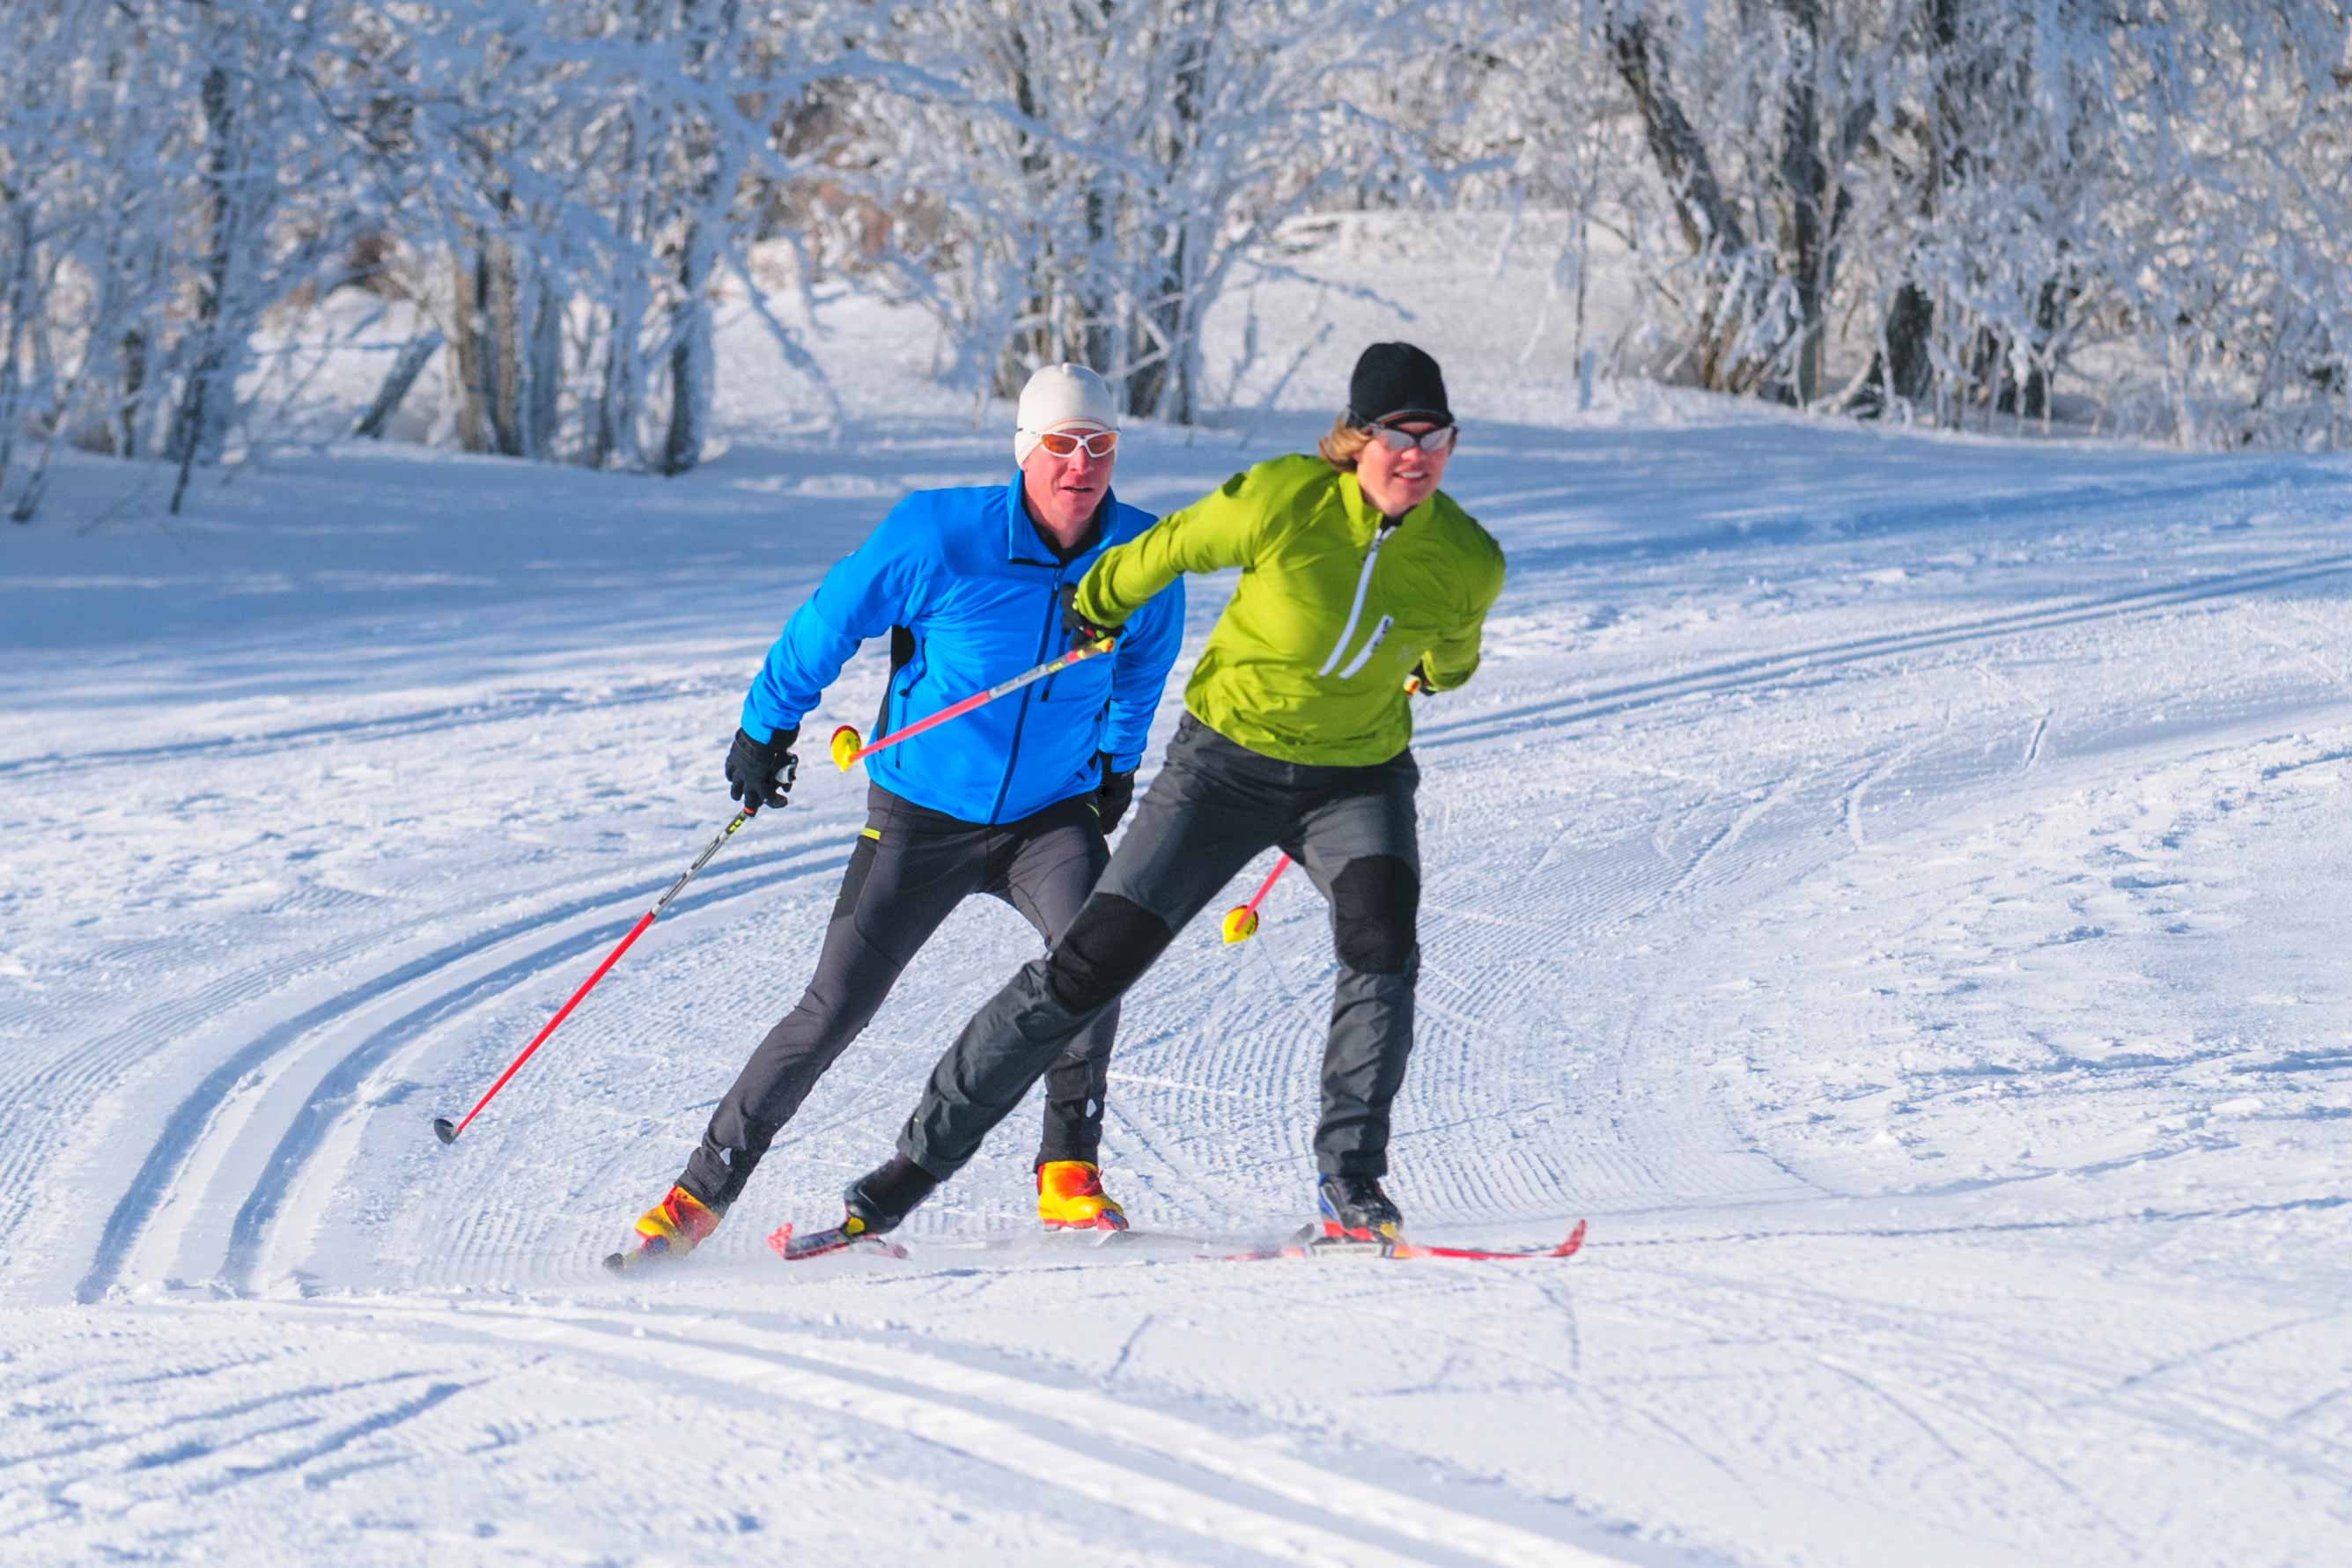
(1308, 1243)
(794, 1248)
(1566, 1248)
(788, 1247)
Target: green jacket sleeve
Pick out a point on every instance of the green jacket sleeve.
(1219, 530)
(1455, 660)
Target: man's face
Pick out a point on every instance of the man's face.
(1064, 491)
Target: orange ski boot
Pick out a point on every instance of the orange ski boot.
(668, 1231)
(1070, 1196)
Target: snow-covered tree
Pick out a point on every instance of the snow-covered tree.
(1950, 209)
(1081, 181)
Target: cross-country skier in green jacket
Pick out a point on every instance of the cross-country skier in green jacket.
(1358, 572)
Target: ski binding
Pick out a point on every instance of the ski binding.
(792, 1249)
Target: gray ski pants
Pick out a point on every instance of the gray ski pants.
(910, 867)
(1215, 805)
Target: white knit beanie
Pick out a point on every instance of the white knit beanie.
(1060, 395)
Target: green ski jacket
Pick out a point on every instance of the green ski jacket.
(1309, 662)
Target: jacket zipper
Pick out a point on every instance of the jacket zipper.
(1021, 719)
(1372, 645)
(1356, 610)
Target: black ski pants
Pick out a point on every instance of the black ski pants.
(909, 867)
(1215, 805)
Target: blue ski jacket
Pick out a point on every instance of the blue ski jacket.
(967, 573)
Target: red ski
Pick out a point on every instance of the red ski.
(1308, 1244)
(1567, 1249)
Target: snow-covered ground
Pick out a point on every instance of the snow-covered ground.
(1894, 886)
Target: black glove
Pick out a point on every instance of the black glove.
(760, 772)
(1116, 794)
(1082, 631)
(1416, 683)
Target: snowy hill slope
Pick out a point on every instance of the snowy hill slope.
(1892, 885)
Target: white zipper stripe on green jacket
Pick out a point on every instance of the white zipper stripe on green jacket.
(1363, 583)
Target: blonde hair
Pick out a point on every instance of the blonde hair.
(1340, 448)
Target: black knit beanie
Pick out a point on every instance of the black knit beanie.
(1392, 378)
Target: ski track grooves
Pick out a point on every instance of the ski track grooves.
(182, 1131)
(1174, 1471)
(1875, 775)
(1766, 669)
(535, 703)
(1728, 836)
(59, 1091)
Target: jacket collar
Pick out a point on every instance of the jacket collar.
(1024, 545)
(1362, 514)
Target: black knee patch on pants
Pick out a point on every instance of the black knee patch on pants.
(1375, 912)
(1112, 941)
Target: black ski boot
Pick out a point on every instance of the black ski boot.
(1356, 1209)
(884, 1196)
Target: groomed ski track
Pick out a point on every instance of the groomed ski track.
(1882, 881)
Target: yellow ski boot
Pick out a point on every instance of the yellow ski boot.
(1070, 1196)
(668, 1231)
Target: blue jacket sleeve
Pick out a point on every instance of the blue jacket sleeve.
(868, 591)
(1146, 650)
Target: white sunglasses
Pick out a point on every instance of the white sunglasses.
(1430, 441)
(1065, 443)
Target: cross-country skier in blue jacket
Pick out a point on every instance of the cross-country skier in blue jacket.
(1013, 798)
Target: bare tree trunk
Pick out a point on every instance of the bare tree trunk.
(1164, 388)
(482, 328)
(465, 347)
(689, 357)
(20, 307)
(1101, 338)
(692, 359)
(1032, 345)
(388, 398)
(505, 346)
(544, 368)
(1907, 371)
(130, 409)
(199, 417)
(2030, 398)
(1707, 214)
(1710, 224)
(1806, 181)
(616, 400)
(613, 429)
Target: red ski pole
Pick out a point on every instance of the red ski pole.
(848, 752)
(446, 1130)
